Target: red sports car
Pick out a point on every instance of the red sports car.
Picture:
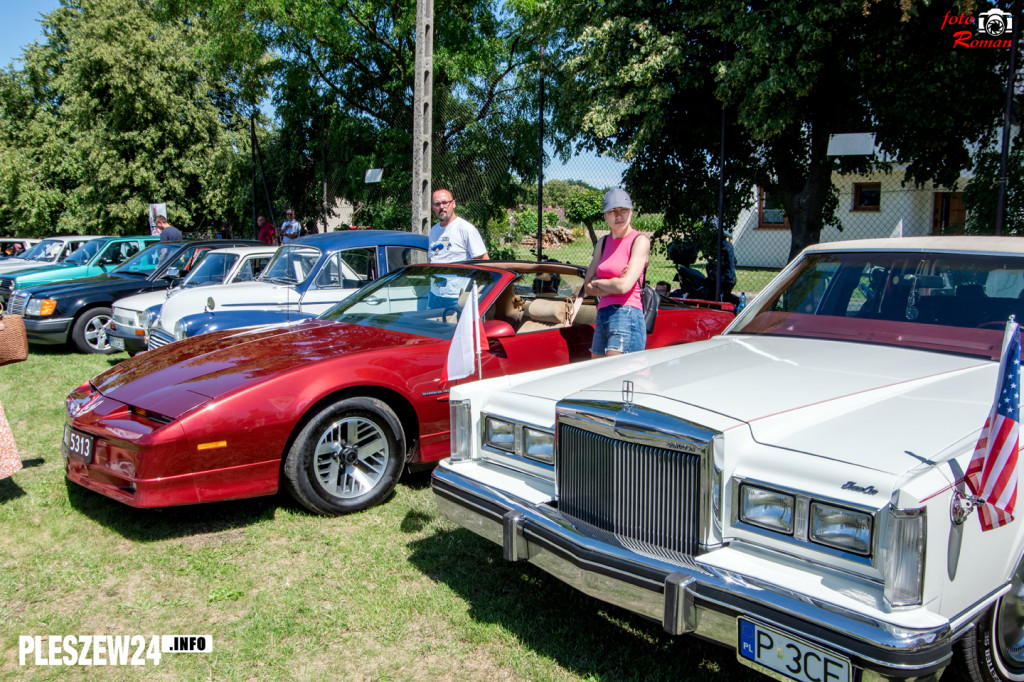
(336, 407)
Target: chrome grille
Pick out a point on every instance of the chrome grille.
(157, 338)
(16, 304)
(639, 492)
(6, 285)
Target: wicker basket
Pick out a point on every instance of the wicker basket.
(13, 342)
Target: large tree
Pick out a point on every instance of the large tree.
(113, 110)
(648, 81)
(344, 72)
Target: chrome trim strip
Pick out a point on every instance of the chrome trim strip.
(641, 584)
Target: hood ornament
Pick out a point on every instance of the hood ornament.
(627, 395)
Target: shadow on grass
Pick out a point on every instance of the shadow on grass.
(9, 490)
(584, 635)
(152, 525)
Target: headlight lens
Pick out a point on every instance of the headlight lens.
(844, 529)
(539, 445)
(179, 330)
(41, 307)
(500, 434)
(461, 433)
(902, 555)
(767, 509)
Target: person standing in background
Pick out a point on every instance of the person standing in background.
(167, 232)
(267, 233)
(290, 228)
(619, 261)
(453, 239)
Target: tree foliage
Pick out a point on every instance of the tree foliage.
(112, 111)
(648, 81)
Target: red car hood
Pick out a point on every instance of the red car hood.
(173, 379)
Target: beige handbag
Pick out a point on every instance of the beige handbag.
(13, 342)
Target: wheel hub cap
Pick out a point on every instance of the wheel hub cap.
(351, 457)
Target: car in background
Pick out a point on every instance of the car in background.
(336, 407)
(47, 252)
(306, 277)
(132, 315)
(94, 257)
(79, 310)
(793, 489)
(15, 246)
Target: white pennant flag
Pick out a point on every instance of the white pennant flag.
(465, 348)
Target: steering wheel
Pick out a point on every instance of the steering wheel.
(453, 311)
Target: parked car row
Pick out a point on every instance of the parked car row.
(789, 482)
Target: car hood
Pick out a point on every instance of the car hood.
(140, 302)
(74, 287)
(173, 379)
(9, 264)
(839, 400)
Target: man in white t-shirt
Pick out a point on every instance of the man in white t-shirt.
(452, 239)
(291, 228)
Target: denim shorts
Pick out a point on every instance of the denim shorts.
(619, 328)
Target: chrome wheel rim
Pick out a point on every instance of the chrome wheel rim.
(96, 332)
(1008, 629)
(351, 457)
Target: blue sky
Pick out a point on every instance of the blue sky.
(20, 27)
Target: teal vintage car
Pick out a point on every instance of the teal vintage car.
(92, 258)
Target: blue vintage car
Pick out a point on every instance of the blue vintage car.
(306, 277)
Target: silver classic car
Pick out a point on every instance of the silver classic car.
(793, 489)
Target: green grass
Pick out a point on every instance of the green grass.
(396, 592)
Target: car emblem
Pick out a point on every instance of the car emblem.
(627, 395)
(866, 489)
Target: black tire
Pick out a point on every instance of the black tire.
(993, 651)
(89, 334)
(347, 458)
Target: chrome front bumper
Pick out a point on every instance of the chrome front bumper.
(687, 598)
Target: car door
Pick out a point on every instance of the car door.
(339, 276)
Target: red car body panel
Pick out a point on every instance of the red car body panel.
(210, 418)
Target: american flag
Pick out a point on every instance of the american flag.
(992, 473)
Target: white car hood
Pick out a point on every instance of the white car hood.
(844, 401)
(143, 301)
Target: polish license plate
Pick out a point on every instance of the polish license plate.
(788, 656)
(78, 444)
(116, 342)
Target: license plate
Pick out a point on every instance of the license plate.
(78, 444)
(116, 342)
(788, 656)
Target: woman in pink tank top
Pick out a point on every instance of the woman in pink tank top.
(614, 277)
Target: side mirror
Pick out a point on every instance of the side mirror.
(498, 329)
(172, 273)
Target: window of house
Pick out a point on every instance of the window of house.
(867, 196)
(770, 213)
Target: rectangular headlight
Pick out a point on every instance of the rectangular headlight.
(539, 445)
(499, 434)
(461, 429)
(767, 509)
(903, 557)
(843, 529)
(41, 307)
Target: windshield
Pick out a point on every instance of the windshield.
(145, 262)
(85, 252)
(952, 302)
(46, 250)
(422, 300)
(213, 269)
(291, 265)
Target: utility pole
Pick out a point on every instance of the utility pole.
(1007, 122)
(422, 117)
(540, 162)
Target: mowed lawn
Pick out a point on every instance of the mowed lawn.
(395, 593)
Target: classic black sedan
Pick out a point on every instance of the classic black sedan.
(79, 310)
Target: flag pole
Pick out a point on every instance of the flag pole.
(479, 342)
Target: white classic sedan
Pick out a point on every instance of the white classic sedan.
(793, 489)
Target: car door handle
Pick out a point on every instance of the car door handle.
(374, 301)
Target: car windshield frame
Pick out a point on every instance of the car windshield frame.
(276, 271)
(89, 250)
(407, 300)
(208, 260)
(38, 251)
(951, 302)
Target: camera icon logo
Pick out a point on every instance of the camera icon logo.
(995, 22)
